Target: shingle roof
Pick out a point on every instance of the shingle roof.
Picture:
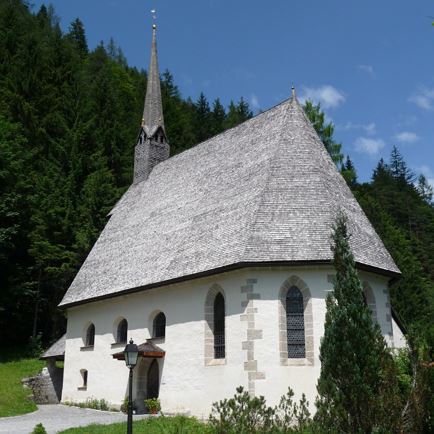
(265, 191)
(57, 350)
(153, 109)
(147, 349)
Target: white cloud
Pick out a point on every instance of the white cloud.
(369, 69)
(327, 95)
(369, 129)
(423, 98)
(407, 137)
(369, 145)
(254, 102)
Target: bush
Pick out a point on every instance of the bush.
(39, 429)
(244, 414)
(93, 403)
(153, 405)
(124, 405)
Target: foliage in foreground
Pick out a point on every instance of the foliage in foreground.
(93, 403)
(244, 414)
(14, 398)
(39, 429)
(357, 387)
(152, 425)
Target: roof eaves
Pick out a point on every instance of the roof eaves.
(224, 269)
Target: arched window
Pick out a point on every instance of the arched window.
(295, 324)
(219, 327)
(83, 373)
(159, 326)
(90, 336)
(122, 331)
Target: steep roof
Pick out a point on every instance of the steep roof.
(153, 108)
(265, 191)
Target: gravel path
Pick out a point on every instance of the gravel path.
(57, 418)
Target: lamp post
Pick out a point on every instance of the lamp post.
(131, 353)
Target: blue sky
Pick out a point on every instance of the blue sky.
(369, 63)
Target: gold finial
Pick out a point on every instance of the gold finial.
(293, 91)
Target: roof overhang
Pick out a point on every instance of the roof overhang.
(147, 350)
(225, 269)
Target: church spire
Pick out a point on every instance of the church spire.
(152, 147)
(153, 110)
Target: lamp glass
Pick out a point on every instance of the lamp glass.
(131, 354)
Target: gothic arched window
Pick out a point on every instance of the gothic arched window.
(219, 327)
(122, 331)
(90, 336)
(159, 326)
(295, 324)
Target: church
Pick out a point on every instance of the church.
(217, 263)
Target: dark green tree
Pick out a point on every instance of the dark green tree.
(203, 118)
(218, 116)
(425, 190)
(349, 173)
(356, 387)
(78, 36)
(325, 131)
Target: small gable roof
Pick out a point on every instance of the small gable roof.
(56, 351)
(264, 192)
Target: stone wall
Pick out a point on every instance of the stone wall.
(47, 385)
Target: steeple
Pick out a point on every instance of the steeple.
(152, 146)
(153, 111)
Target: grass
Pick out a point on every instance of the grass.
(153, 425)
(13, 396)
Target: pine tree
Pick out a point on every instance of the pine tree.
(202, 118)
(325, 132)
(78, 36)
(349, 173)
(398, 168)
(356, 386)
(218, 117)
(425, 190)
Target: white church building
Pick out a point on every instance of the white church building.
(217, 263)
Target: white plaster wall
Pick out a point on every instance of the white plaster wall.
(186, 383)
(399, 340)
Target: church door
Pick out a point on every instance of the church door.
(153, 381)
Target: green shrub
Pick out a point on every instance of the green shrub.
(250, 415)
(39, 429)
(93, 403)
(124, 405)
(153, 405)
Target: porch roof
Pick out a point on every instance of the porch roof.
(147, 349)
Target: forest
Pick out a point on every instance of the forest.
(69, 117)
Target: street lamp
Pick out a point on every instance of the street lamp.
(131, 353)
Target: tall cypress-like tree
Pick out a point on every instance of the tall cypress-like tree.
(356, 386)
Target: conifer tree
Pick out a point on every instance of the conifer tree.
(348, 171)
(202, 118)
(325, 131)
(77, 34)
(218, 116)
(356, 386)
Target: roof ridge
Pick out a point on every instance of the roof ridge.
(227, 130)
(261, 195)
